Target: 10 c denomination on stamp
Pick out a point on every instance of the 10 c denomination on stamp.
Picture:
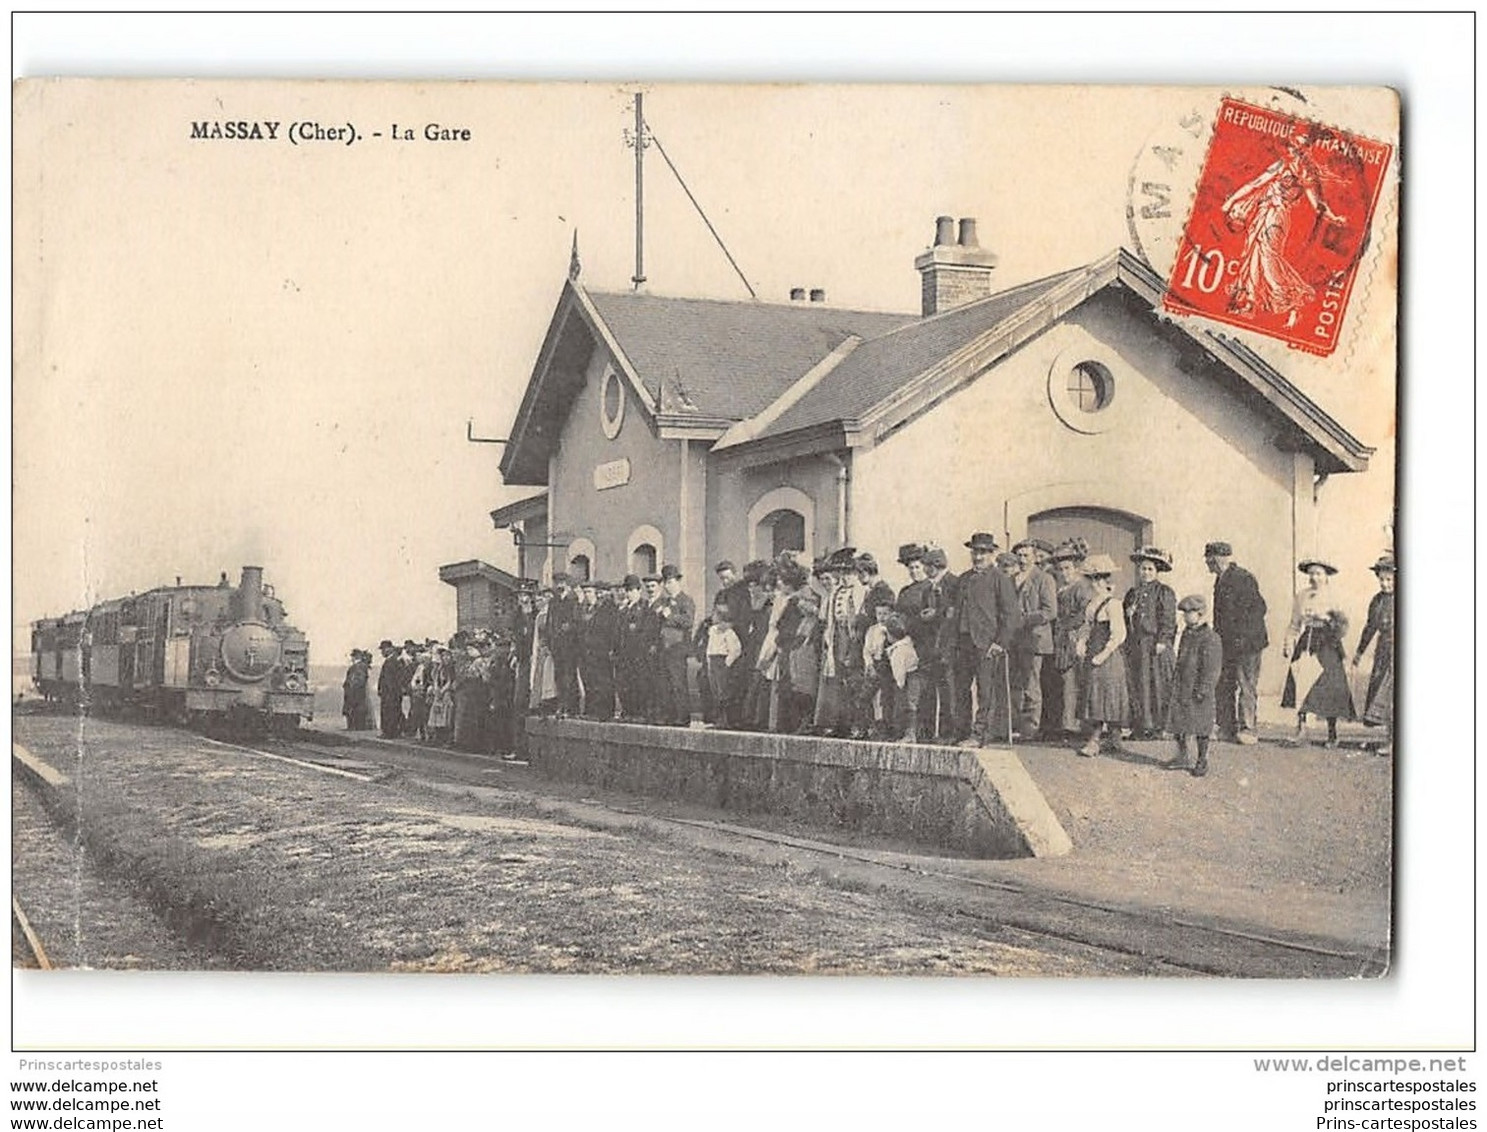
(1279, 223)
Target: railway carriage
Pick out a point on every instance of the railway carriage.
(189, 653)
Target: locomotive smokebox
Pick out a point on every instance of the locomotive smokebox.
(250, 594)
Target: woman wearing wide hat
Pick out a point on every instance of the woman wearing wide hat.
(1104, 702)
(1151, 632)
(1378, 704)
(1314, 645)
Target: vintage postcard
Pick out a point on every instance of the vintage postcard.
(613, 528)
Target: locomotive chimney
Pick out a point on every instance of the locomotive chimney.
(250, 594)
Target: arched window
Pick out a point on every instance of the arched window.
(581, 557)
(786, 531)
(782, 519)
(645, 550)
(578, 568)
(643, 559)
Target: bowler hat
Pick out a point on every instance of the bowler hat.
(1156, 556)
(1071, 550)
(1385, 564)
(1194, 601)
(1306, 564)
(410, 644)
(910, 552)
(631, 582)
(386, 644)
(651, 578)
(724, 565)
(1099, 566)
(935, 558)
(670, 571)
(982, 540)
(1218, 550)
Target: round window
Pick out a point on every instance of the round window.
(1090, 387)
(1081, 388)
(611, 403)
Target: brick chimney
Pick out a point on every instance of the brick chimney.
(954, 271)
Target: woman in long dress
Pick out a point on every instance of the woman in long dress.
(1316, 630)
(441, 697)
(1104, 701)
(1378, 704)
(1151, 631)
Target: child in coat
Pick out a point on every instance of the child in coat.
(1200, 656)
(723, 651)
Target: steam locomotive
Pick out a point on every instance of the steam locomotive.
(191, 654)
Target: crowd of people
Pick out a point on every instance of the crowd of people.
(1030, 643)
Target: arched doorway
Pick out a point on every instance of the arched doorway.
(1107, 531)
(780, 531)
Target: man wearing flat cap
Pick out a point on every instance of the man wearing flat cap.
(990, 616)
(1239, 620)
(1037, 597)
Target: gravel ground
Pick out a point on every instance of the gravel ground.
(82, 919)
(277, 867)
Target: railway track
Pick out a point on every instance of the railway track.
(1205, 948)
(1000, 908)
(25, 945)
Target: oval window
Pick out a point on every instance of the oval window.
(611, 403)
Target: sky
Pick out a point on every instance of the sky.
(254, 352)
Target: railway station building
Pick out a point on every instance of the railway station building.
(688, 431)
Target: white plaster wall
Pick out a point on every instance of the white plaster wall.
(1180, 451)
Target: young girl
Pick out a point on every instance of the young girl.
(1378, 705)
(1104, 700)
(1200, 657)
(1317, 629)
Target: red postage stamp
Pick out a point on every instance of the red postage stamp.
(1279, 224)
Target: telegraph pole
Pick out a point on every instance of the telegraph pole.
(639, 141)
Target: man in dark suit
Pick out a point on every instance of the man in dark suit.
(990, 616)
(943, 678)
(678, 614)
(637, 633)
(1239, 620)
(390, 685)
(598, 628)
(563, 638)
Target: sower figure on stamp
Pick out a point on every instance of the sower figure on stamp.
(1239, 620)
(990, 615)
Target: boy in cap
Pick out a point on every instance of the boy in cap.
(1200, 659)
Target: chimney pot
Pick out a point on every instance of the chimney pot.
(797, 294)
(818, 295)
(968, 232)
(944, 230)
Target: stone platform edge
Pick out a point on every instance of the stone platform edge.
(979, 802)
